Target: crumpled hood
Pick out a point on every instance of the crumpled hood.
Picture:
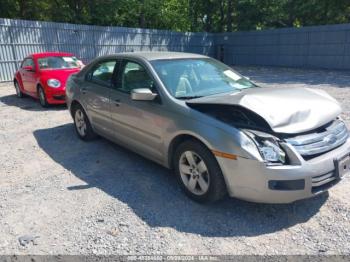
(286, 110)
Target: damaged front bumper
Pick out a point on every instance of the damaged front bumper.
(255, 181)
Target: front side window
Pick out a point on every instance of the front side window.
(190, 78)
(102, 73)
(134, 76)
(58, 62)
(28, 62)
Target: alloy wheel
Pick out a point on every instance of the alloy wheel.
(80, 122)
(42, 96)
(194, 173)
(18, 91)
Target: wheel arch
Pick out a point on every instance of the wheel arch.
(15, 80)
(75, 103)
(19, 82)
(180, 138)
(39, 85)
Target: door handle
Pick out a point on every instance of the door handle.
(83, 90)
(116, 102)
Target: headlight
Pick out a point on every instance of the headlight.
(268, 146)
(54, 83)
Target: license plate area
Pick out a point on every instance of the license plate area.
(342, 166)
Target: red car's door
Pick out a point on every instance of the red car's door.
(28, 76)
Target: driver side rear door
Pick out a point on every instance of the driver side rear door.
(95, 94)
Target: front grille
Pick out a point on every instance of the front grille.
(59, 97)
(323, 182)
(317, 143)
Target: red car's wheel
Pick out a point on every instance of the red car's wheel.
(42, 97)
(18, 90)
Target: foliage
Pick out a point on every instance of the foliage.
(183, 15)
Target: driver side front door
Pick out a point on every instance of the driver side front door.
(137, 124)
(28, 76)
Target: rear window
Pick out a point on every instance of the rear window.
(58, 62)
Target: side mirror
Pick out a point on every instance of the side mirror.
(142, 94)
(28, 68)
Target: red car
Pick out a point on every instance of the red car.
(44, 76)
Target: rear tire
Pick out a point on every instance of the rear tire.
(42, 97)
(82, 124)
(19, 93)
(199, 174)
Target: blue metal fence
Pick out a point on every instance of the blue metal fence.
(308, 47)
(19, 38)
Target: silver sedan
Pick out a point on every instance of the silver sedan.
(221, 133)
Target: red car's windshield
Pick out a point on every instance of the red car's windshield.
(58, 62)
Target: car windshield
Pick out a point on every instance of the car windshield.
(58, 62)
(192, 78)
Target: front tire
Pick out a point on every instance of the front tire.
(198, 172)
(82, 124)
(42, 97)
(19, 93)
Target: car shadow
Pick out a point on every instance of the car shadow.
(28, 103)
(152, 192)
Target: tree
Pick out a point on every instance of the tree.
(183, 15)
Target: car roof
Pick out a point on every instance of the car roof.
(150, 56)
(46, 54)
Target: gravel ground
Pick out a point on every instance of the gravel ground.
(98, 198)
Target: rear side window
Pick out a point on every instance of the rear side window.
(102, 73)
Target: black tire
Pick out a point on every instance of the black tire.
(89, 133)
(19, 93)
(42, 97)
(217, 186)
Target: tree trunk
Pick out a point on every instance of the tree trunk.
(208, 21)
(190, 14)
(142, 23)
(76, 6)
(229, 15)
(22, 9)
(193, 13)
(222, 16)
(326, 10)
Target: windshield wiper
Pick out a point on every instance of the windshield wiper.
(188, 97)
